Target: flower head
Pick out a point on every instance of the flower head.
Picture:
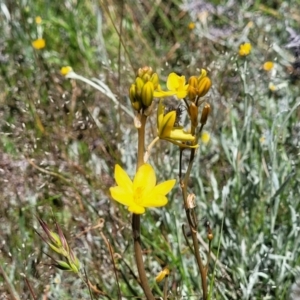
(166, 129)
(245, 49)
(38, 44)
(272, 87)
(38, 20)
(205, 137)
(268, 65)
(191, 25)
(142, 192)
(65, 70)
(176, 85)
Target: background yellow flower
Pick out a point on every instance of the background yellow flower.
(268, 65)
(245, 49)
(38, 44)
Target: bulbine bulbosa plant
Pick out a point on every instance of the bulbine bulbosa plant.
(142, 192)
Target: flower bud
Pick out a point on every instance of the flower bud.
(203, 86)
(147, 93)
(144, 70)
(132, 93)
(136, 105)
(202, 74)
(139, 83)
(192, 89)
(134, 99)
(193, 112)
(193, 81)
(155, 80)
(205, 113)
(146, 77)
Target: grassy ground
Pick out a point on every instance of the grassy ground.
(60, 140)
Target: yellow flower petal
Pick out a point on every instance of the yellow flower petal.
(181, 135)
(177, 84)
(153, 200)
(136, 209)
(182, 93)
(157, 196)
(122, 179)
(167, 124)
(159, 93)
(165, 187)
(173, 82)
(121, 195)
(145, 178)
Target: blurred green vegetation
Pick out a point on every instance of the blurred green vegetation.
(60, 140)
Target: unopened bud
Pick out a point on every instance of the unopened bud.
(210, 236)
(193, 112)
(203, 74)
(146, 77)
(147, 94)
(132, 93)
(136, 105)
(192, 89)
(205, 113)
(144, 70)
(139, 83)
(204, 86)
(155, 80)
(135, 102)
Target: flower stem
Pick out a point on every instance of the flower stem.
(136, 220)
(190, 213)
(141, 142)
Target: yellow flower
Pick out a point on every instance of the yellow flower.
(205, 137)
(38, 20)
(65, 70)
(191, 25)
(142, 192)
(245, 49)
(272, 87)
(176, 86)
(38, 44)
(166, 129)
(268, 65)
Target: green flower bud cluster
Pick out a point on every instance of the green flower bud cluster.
(58, 243)
(141, 92)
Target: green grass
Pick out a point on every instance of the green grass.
(60, 140)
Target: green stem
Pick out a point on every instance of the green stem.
(193, 226)
(136, 220)
(141, 142)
